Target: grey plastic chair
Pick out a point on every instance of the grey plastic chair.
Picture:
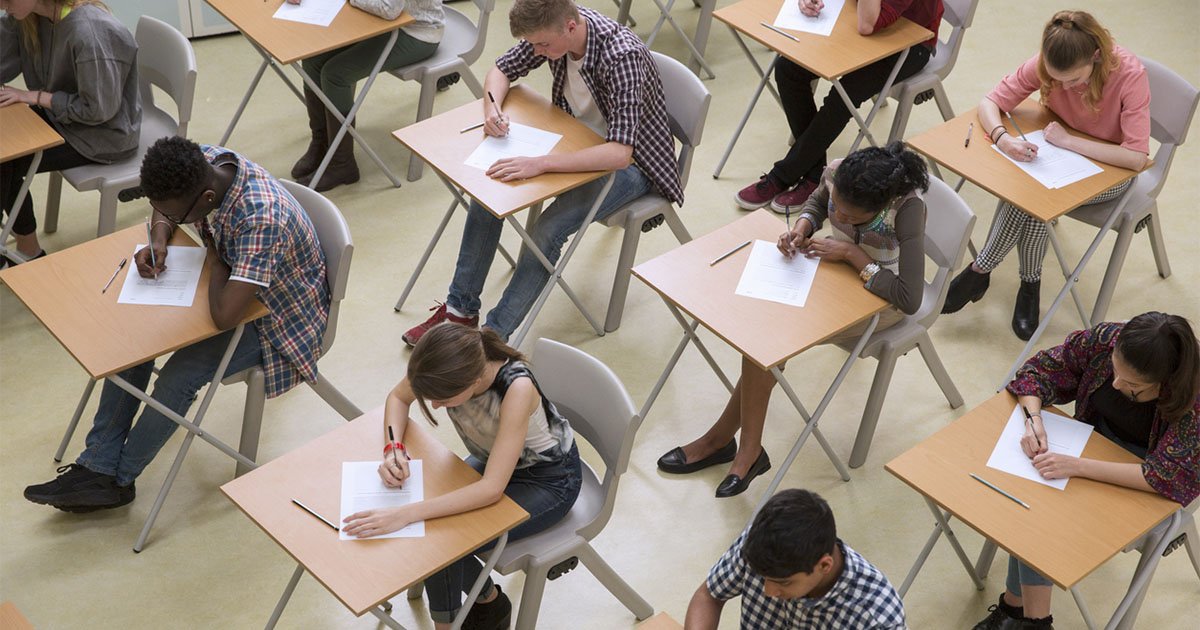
(959, 14)
(164, 60)
(1147, 565)
(948, 224)
(462, 43)
(687, 108)
(334, 235)
(602, 414)
(1172, 107)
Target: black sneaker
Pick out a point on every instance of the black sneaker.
(494, 615)
(78, 489)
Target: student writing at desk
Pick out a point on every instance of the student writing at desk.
(1138, 383)
(265, 246)
(872, 200)
(79, 67)
(794, 177)
(604, 76)
(1096, 87)
(518, 441)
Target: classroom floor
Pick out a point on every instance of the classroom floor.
(206, 565)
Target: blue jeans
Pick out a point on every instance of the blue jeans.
(546, 490)
(564, 217)
(115, 446)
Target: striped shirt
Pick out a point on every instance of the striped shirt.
(623, 79)
(266, 238)
(860, 599)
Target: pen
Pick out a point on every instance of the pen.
(392, 439)
(471, 128)
(491, 98)
(313, 512)
(728, 253)
(781, 32)
(970, 130)
(1029, 423)
(993, 487)
(150, 246)
(120, 266)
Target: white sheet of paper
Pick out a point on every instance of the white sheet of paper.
(1066, 435)
(522, 140)
(769, 275)
(1054, 167)
(792, 19)
(316, 12)
(362, 489)
(176, 286)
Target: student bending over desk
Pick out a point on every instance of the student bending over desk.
(80, 65)
(872, 200)
(1096, 87)
(605, 77)
(518, 441)
(265, 246)
(1138, 383)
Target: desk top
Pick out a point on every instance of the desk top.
(362, 574)
(438, 141)
(63, 292)
(661, 621)
(1060, 535)
(986, 168)
(768, 333)
(24, 132)
(289, 42)
(12, 619)
(842, 52)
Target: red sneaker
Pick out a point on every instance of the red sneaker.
(791, 200)
(758, 194)
(440, 314)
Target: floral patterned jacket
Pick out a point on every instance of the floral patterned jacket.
(1081, 365)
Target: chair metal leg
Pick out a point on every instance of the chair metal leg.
(66, 439)
(620, 288)
(472, 83)
(677, 227)
(900, 119)
(934, 363)
(531, 597)
(1116, 260)
(53, 197)
(1158, 245)
(870, 417)
(943, 101)
(424, 110)
(108, 212)
(614, 583)
(256, 397)
(335, 398)
(415, 591)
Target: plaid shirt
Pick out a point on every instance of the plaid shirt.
(266, 238)
(861, 599)
(623, 79)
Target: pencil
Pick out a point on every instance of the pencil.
(781, 32)
(471, 127)
(993, 487)
(728, 253)
(314, 513)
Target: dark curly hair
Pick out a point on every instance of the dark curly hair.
(870, 178)
(790, 534)
(174, 168)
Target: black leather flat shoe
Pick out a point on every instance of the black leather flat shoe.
(734, 485)
(967, 286)
(675, 461)
(1027, 309)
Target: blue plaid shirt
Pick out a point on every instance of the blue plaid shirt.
(266, 238)
(861, 599)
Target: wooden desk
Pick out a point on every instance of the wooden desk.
(687, 282)
(364, 574)
(287, 42)
(1058, 536)
(439, 141)
(983, 166)
(661, 621)
(25, 133)
(12, 619)
(830, 58)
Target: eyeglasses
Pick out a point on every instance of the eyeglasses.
(191, 206)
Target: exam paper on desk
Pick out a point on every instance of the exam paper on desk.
(1065, 435)
(362, 489)
(175, 286)
(315, 12)
(792, 19)
(1054, 167)
(769, 275)
(521, 141)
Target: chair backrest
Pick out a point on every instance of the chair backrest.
(687, 108)
(599, 409)
(485, 13)
(334, 235)
(166, 60)
(1172, 106)
(948, 224)
(959, 14)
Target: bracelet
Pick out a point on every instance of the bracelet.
(1000, 126)
(387, 448)
(869, 271)
(164, 222)
(1003, 132)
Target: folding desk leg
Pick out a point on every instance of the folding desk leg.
(493, 558)
(1126, 613)
(283, 599)
(665, 15)
(1083, 609)
(416, 273)
(920, 561)
(1066, 272)
(12, 216)
(941, 527)
(762, 83)
(237, 115)
(699, 43)
(83, 401)
(865, 126)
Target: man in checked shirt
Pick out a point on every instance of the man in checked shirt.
(605, 77)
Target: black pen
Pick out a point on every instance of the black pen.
(499, 114)
(1029, 423)
(314, 513)
(392, 439)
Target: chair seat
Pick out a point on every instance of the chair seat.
(458, 38)
(124, 173)
(1096, 214)
(563, 535)
(639, 209)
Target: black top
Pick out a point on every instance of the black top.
(1128, 420)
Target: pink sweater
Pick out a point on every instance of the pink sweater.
(1123, 114)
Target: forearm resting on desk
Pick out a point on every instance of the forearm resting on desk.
(1114, 154)
(610, 156)
(1127, 475)
(704, 611)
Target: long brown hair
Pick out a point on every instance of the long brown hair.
(1071, 39)
(29, 25)
(1163, 349)
(448, 360)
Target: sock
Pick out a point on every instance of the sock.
(1046, 621)
(455, 312)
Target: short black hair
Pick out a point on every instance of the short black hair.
(174, 168)
(790, 535)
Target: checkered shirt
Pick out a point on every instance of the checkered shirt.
(266, 238)
(624, 81)
(861, 599)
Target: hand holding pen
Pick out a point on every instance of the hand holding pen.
(394, 470)
(495, 122)
(1034, 441)
(796, 239)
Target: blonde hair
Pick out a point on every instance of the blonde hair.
(29, 25)
(1071, 39)
(448, 360)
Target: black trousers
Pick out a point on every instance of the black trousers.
(12, 175)
(816, 129)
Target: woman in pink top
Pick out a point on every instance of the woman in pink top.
(1096, 87)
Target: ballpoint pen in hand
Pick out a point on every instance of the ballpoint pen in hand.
(150, 246)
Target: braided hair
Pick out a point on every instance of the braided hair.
(871, 178)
